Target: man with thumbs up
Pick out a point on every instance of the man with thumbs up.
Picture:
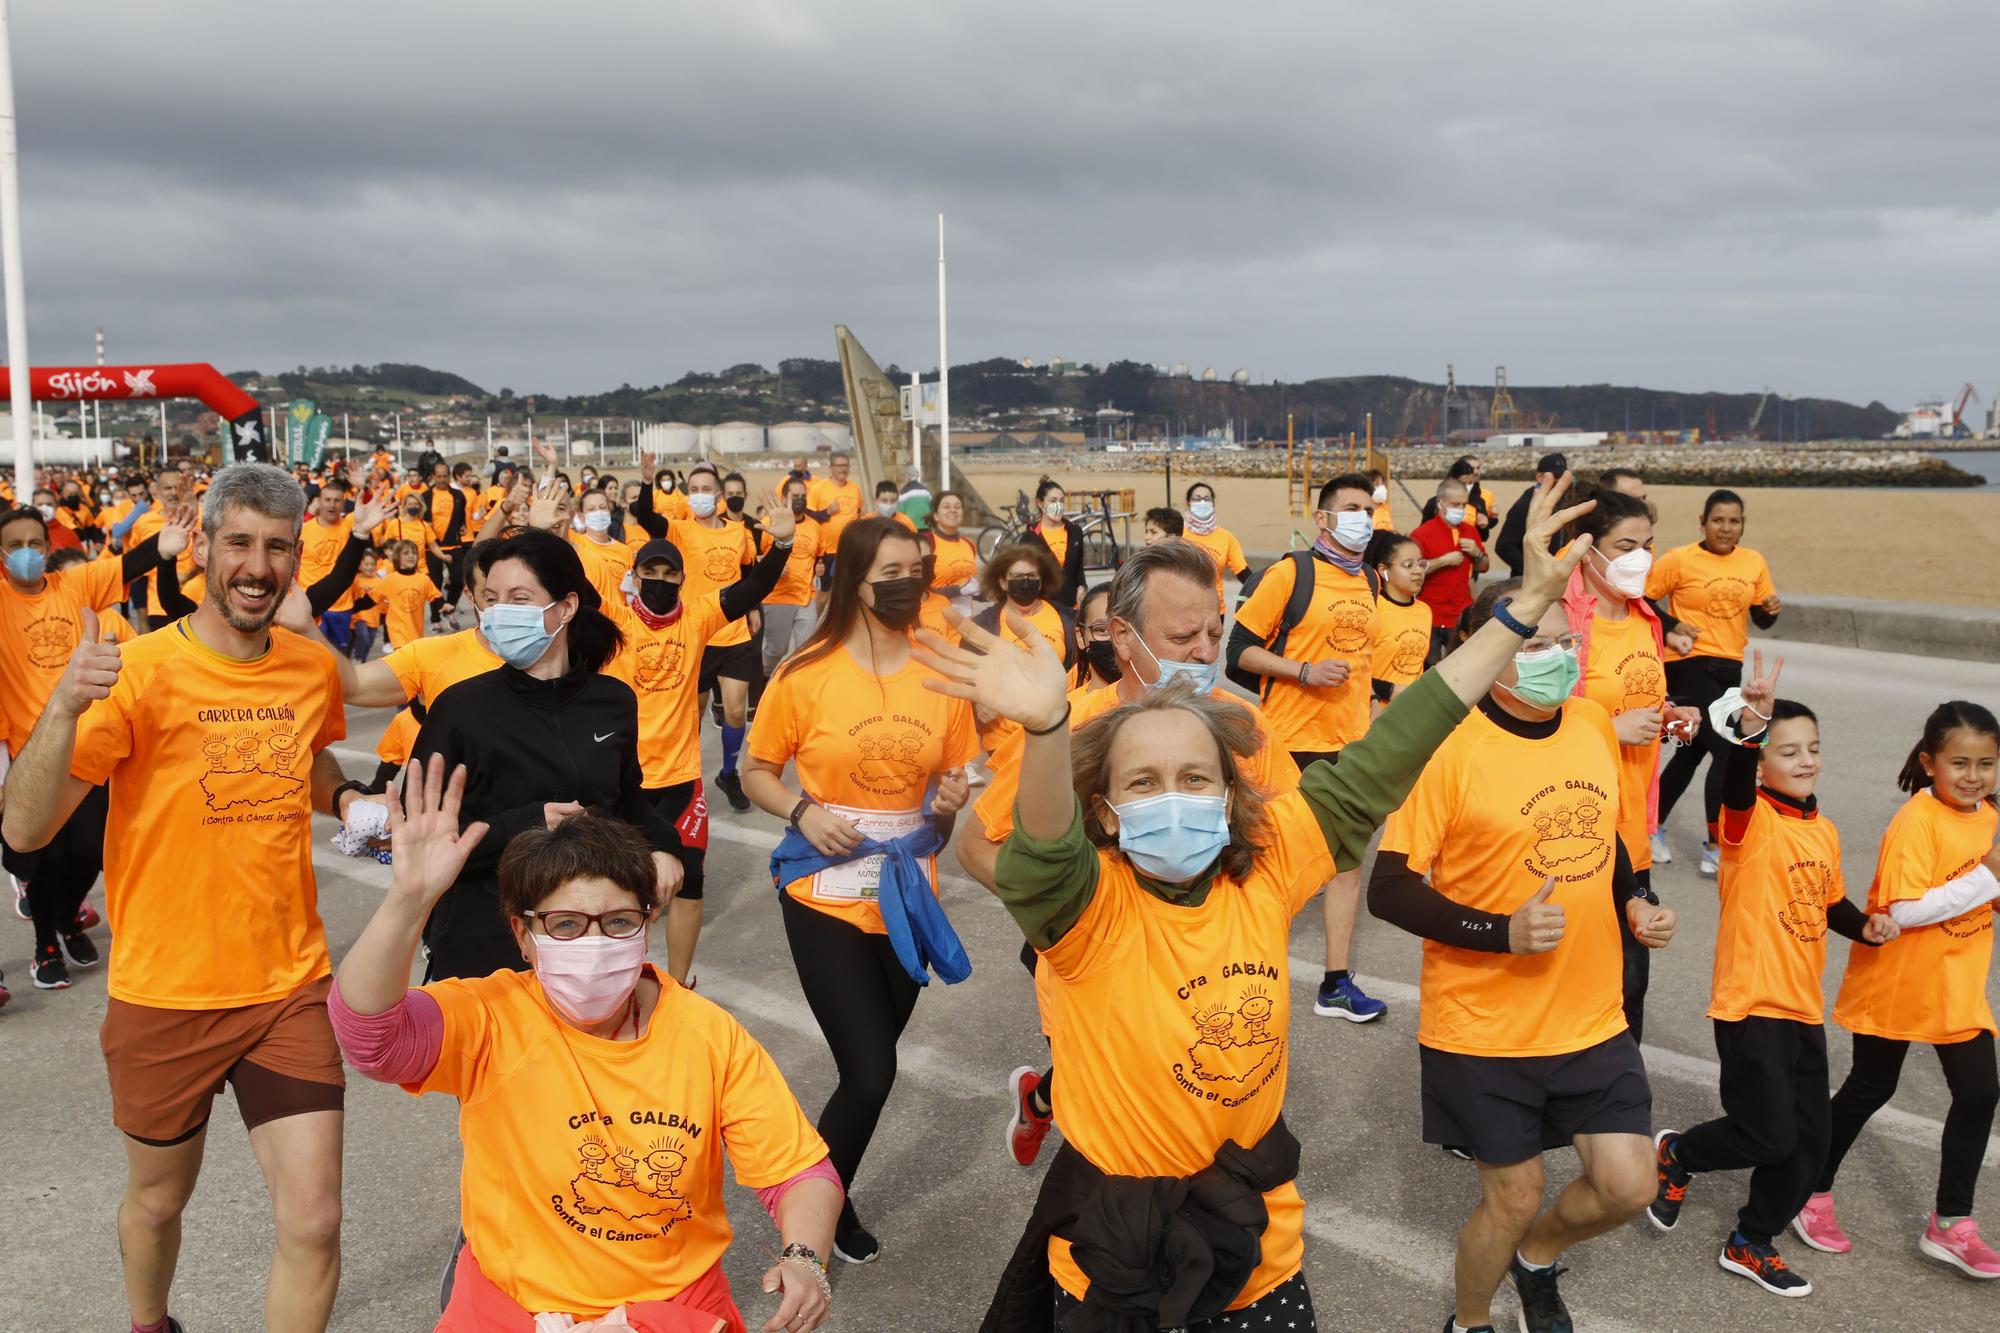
(211, 737)
(1506, 859)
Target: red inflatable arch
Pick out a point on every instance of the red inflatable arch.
(194, 379)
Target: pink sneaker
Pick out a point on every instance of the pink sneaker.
(1817, 1227)
(1960, 1246)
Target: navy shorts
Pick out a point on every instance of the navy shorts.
(1506, 1109)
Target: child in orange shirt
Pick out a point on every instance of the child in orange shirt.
(404, 593)
(1782, 889)
(367, 621)
(1936, 875)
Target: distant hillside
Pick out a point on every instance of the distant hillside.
(999, 393)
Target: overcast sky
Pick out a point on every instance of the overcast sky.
(1695, 195)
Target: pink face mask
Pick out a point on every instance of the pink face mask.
(589, 977)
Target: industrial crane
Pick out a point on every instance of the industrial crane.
(1750, 431)
(1958, 430)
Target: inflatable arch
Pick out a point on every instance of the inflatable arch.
(71, 384)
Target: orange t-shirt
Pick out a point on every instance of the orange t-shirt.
(1171, 1026)
(1714, 592)
(404, 597)
(999, 733)
(712, 559)
(1623, 674)
(843, 499)
(605, 564)
(446, 502)
(594, 1169)
(209, 884)
(930, 616)
(398, 738)
(867, 747)
(1340, 622)
(1929, 983)
(1057, 537)
(671, 504)
(412, 530)
(38, 633)
(1402, 640)
(147, 525)
(957, 562)
(367, 585)
(1492, 816)
(795, 585)
(426, 668)
(663, 666)
(1770, 941)
(319, 548)
(116, 627)
(1223, 548)
(1271, 768)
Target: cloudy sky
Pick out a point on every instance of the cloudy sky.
(1697, 195)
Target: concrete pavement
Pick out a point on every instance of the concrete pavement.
(939, 1188)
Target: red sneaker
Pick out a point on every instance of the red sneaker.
(1025, 1127)
(1817, 1227)
(1960, 1246)
(86, 916)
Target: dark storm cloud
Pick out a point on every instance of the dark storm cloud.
(1700, 195)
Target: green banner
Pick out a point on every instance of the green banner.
(297, 418)
(317, 430)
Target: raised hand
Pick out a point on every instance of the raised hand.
(1021, 680)
(1536, 926)
(1760, 692)
(1651, 924)
(778, 520)
(369, 513)
(177, 534)
(426, 847)
(92, 670)
(546, 452)
(1547, 573)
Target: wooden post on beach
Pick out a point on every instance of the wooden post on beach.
(1291, 463)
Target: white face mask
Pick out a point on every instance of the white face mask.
(1628, 572)
(702, 503)
(1380, 495)
(1353, 529)
(1202, 509)
(598, 520)
(1054, 509)
(1455, 516)
(589, 977)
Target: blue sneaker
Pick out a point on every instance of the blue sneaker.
(1347, 1000)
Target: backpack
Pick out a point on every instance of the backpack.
(1295, 610)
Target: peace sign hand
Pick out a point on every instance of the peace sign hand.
(1022, 681)
(1760, 692)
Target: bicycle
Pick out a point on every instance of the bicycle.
(1013, 526)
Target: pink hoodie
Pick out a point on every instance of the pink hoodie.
(1580, 606)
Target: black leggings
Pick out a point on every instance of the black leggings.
(1774, 1119)
(862, 999)
(1288, 1306)
(1975, 1091)
(1638, 961)
(1699, 681)
(60, 875)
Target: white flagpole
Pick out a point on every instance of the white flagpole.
(10, 270)
(944, 375)
(917, 422)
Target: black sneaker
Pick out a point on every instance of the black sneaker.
(1542, 1308)
(1761, 1264)
(1665, 1209)
(76, 947)
(731, 785)
(48, 971)
(853, 1242)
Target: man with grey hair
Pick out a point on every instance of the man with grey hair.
(212, 735)
(1163, 625)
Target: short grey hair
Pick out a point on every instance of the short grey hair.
(1128, 589)
(261, 488)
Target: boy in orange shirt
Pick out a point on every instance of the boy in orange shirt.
(1782, 889)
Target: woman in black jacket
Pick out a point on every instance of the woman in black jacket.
(1062, 539)
(542, 738)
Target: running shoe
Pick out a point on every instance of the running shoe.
(76, 947)
(1960, 1246)
(1662, 854)
(21, 908)
(731, 786)
(1347, 1000)
(1762, 1265)
(48, 971)
(1711, 859)
(1542, 1308)
(1451, 1320)
(852, 1241)
(1461, 1153)
(1026, 1127)
(1665, 1209)
(1817, 1226)
(86, 915)
(5, 994)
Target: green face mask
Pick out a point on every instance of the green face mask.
(1546, 676)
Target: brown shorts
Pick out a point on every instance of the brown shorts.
(167, 1065)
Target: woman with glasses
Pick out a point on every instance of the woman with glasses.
(542, 737)
(598, 1100)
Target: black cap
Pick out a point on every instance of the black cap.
(1553, 464)
(658, 549)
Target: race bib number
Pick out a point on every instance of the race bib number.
(860, 880)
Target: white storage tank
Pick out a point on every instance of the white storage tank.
(737, 437)
(795, 437)
(1239, 377)
(1208, 375)
(1180, 370)
(675, 438)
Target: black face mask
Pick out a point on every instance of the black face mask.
(735, 503)
(798, 505)
(1103, 660)
(1023, 589)
(897, 601)
(659, 596)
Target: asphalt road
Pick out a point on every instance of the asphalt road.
(940, 1189)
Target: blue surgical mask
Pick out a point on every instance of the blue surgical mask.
(1202, 675)
(702, 503)
(1455, 515)
(1173, 837)
(597, 520)
(26, 564)
(1545, 677)
(1201, 509)
(1354, 529)
(517, 634)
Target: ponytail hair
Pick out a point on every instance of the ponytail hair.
(594, 638)
(1946, 718)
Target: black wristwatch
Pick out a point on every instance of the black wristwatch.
(799, 810)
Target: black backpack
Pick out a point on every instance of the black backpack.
(1295, 610)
